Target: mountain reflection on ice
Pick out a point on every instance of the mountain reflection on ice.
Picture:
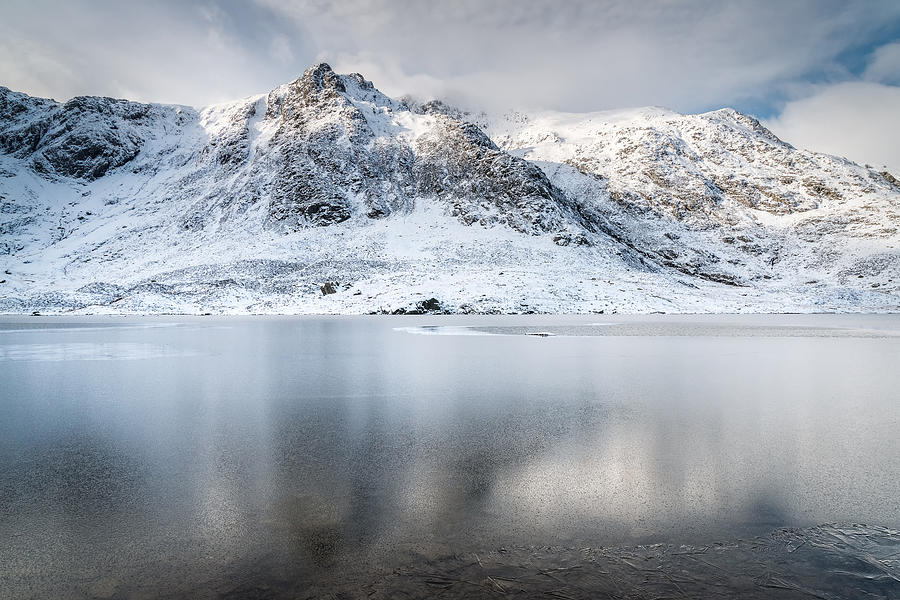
(316, 456)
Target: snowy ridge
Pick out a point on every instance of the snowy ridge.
(326, 196)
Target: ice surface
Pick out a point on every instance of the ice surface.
(67, 351)
(830, 562)
(346, 457)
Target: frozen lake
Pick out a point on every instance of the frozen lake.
(281, 456)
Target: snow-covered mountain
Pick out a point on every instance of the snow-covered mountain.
(325, 195)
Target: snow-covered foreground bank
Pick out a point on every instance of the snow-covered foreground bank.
(396, 266)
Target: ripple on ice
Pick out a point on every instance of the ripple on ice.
(443, 330)
(87, 351)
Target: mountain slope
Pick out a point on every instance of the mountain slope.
(717, 194)
(271, 203)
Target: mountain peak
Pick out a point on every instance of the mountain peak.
(321, 77)
(746, 121)
(319, 85)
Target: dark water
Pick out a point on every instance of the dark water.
(311, 457)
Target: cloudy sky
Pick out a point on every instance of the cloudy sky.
(822, 74)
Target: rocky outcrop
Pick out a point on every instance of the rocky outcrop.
(460, 165)
(334, 153)
(83, 138)
(716, 196)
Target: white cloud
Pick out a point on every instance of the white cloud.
(885, 65)
(858, 120)
(29, 66)
(576, 55)
(691, 55)
(162, 51)
(280, 49)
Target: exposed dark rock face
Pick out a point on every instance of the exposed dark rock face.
(330, 164)
(460, 165)
(329, 161)
(432, 305)
(890, 179)
(83, 138)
